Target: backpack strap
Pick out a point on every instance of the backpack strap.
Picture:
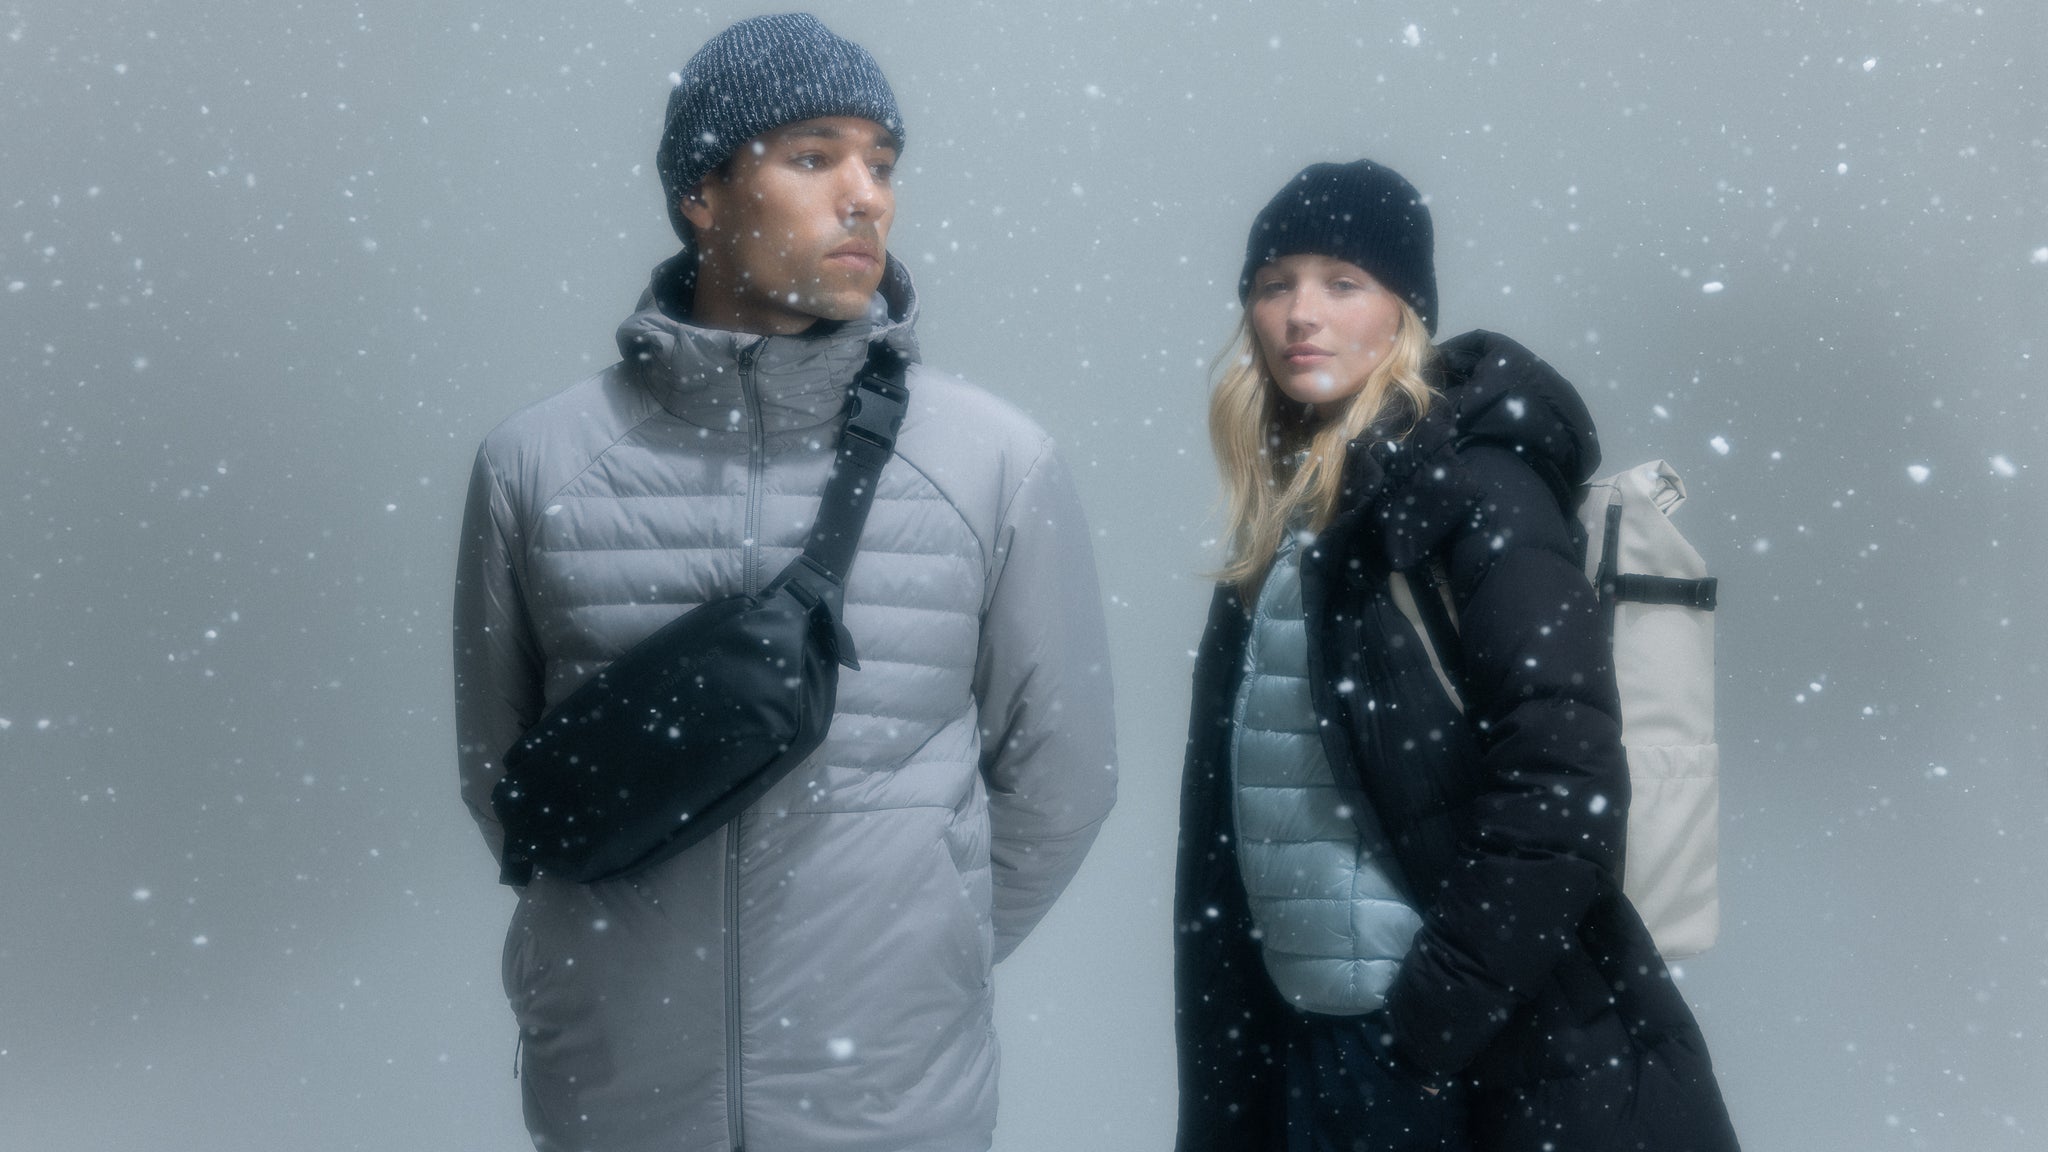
(1701, 593)
(1615, 586)
(1425, 599)
(1606, 578)
(1436, 606)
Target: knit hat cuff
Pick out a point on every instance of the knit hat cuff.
(757, 75)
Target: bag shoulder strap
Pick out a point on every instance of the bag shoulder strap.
(874, 415)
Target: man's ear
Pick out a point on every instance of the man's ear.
(696, 207)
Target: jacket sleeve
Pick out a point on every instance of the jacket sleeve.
(1042, 684)
(498, 693)
(1543, 838)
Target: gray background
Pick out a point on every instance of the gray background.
(268, 272)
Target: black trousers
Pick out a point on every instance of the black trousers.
(1343, 1094)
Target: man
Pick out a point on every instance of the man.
(816, 974)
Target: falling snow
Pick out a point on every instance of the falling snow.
(268, 282)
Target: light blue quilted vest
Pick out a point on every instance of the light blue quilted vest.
(1332, 923)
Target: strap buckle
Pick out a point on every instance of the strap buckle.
(876, 411)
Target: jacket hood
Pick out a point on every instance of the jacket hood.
(1491, 392)
(801, 380)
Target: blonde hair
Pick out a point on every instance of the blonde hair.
(1282, 462)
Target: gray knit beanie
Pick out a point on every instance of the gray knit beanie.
(1361, 212)
(759, 74)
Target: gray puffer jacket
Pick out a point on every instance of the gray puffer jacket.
(816, 975)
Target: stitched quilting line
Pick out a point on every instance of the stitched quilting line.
(937, 496)
(608, 548)
(913, 497)
(863, 605)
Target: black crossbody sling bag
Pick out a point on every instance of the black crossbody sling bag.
(692, 724)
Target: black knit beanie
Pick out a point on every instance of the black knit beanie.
(1361, 212)
(759, 74)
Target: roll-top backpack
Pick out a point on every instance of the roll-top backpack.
(1659, 601)
(694, 723)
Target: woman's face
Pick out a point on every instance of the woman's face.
(1323, 325)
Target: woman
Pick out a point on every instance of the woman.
(1400, 923)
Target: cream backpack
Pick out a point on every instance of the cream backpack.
(1661, 600)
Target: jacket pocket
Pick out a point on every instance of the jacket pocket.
(969, 939)
(516, 961)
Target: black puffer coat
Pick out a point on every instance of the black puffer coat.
(1532, 981)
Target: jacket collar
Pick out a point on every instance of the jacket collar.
(800, 380)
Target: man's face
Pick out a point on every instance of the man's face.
(795, 229)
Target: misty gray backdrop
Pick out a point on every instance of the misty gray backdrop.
(268, 272)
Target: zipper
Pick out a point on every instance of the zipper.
(735, 1118)
(756, 464)
(735, 1122)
